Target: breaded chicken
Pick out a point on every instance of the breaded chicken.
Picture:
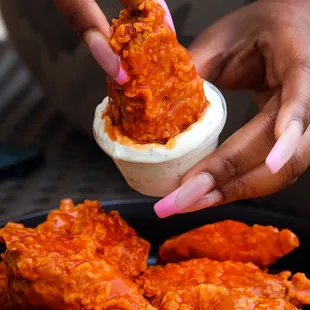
(5, 300)
(164, 94)
(60, 271)
(230, 240)
(115, 239)
(157, 281)
(210, 297)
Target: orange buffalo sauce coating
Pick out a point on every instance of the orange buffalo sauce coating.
(5, 300)
(79, 258)
(57, 271)
(164, 95)
(206, 296)
(115, 239)
(230, 240)
(158, 280)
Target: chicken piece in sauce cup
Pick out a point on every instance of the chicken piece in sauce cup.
(164, 119)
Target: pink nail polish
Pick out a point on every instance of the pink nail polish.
(285, 147)
(122, 77)
(183, 197)
(212, 199)
(166, 206)
(102, 52)
(168, 14)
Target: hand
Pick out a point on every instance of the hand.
(263, 47)
(89, 22)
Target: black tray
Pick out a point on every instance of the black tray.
(139, 214)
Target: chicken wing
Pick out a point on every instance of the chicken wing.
(115, 239)
(206, 297)
(5, 301)
(230, 240)
(158, 280)
(164, 95)
(59, 271)
(3, 284)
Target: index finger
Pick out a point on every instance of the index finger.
(84, 15)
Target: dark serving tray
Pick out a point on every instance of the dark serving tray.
(139, 214)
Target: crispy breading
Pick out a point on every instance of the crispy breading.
(62, 271)
(158, 280)
(230, 240)
(115, 239)
(210, 297)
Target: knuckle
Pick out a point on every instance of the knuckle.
(304, 64)
(76, 11)
(232, 163)
(304, 116)
(268, 125)
(294, 168)
(272, 117)
(239, 189)
(299, 166)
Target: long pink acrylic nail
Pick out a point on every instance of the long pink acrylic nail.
(285, 147)
(210, 200)
(122, 76)
(168, 14)
(102, 52)
(183, 197)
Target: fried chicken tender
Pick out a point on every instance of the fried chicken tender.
(115, 239)
(158, 280)
(164, 95)
(230, 240)
(3, 284)
(60, 271)
(5, 300)
(206, 297)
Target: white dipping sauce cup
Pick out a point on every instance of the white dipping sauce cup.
(155, 169)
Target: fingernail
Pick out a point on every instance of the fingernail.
(101, 50)
(122, 77)
(183, 197)
(212, 199)
(285, 147)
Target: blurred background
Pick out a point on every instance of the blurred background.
(50, 86)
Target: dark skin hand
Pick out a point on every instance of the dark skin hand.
(263, 47)
(89, 22)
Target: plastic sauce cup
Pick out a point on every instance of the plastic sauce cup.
(155, 169)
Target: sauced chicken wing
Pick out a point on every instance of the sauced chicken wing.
(5, 300)
(164, 95)
(115, 239)
(81, 257)
(230, 240)
(158, 280)
(60, 271)
(3, 284)
(207, 297)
